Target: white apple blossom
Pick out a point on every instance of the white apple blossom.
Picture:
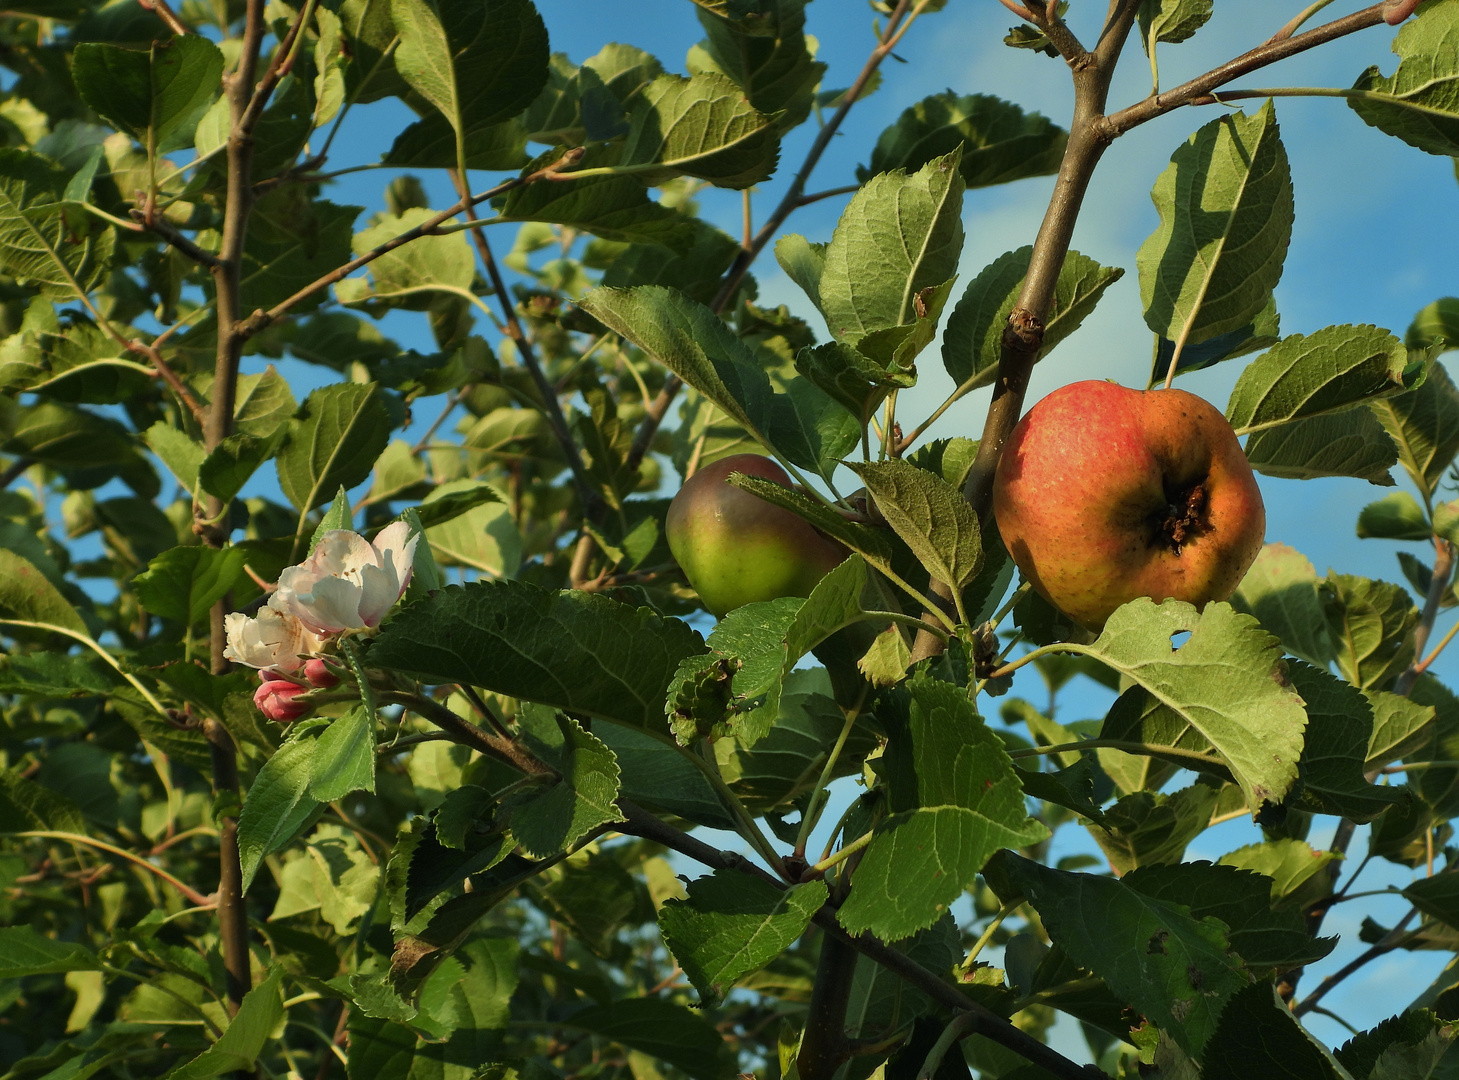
(348, 583)
(274, 640)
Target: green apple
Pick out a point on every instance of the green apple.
(1104, 494)
(735, 548)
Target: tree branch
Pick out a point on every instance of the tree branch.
(1391, 940)
(1262, 56)
(897, 25)
(592, 502)
(466, 733)
(1024, 334)
(259, 320)
(227, 279)
(985, 1022)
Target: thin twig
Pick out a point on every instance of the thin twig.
(1391, 940)
(987, 1023)
(466, 733)
(1297, 20)
(591, 500)
(9, 474)
(164, 228)
(172, 379)
(191, 895)
(261, 319)
(167, 15)
(1118, 123)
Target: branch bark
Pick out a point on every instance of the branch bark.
(227, 279)
(592, 502)
(1024, 334)
(640, 822)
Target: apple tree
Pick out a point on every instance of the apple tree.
(359, 720)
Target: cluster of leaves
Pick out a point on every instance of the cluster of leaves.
(468, 862)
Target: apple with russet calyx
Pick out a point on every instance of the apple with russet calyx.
(735, 548)
(1104, 494)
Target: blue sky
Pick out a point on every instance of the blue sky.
(1375, 240)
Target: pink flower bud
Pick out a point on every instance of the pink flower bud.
(1398, 10)
(277, 700)
(318, 674)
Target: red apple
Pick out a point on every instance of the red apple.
(735, 548)
(1104, 494)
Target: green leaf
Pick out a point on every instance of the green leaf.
(1146, 828)
(613, 207)
(554, 819)
(333, 443)
(157, 97)
(1369, 621)
(1226, 681)
(899, 235)
(1170, 966)
(25, 804)
(664, 782)
(43, 245)
(732, 924)
(1400, 728)
(955, 800)
(695, 344)
(182, 455)
(766, 640)
(1419, 102)
(1299, 873)
(292, 242)
(1406, 1031)
(25, 952)
(1257, 1035)
(1436, 896)
(1225, 208)
(278, 802)
(1263, 936)
(1434, 321)
(344, 757)
(240, 1045)
(446, 261)
(185, 582)
(1318, 374)
(580, 652)
(1425, 424)
(768, 56)
(28, 595)
(930, 515)
(999, 141)
(1262, 332)
(1172, 21)
(973, 340)
(1348, 443)
(1339, 729)
(663, 1030)
(430, 143)
(467, 524)
(477, 63)
(1280, 589)
(234, 461)
(701, 126)
(1394, 517)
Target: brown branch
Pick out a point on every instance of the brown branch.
(172, 379)
(167, 15)
(227, 280)
(1017, 9)
(1024, 334)
(466, 733)
(824, 1047)
(1391, 940)
(640, 822)
(163, 228)
(259, 320)
(659, 408)
(277, 69)
(11, 472)
(1262, 56)
(592, 501)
